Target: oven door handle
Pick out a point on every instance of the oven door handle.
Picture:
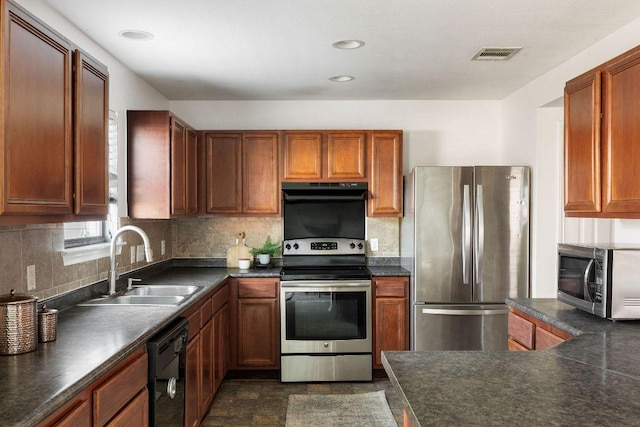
(320, 287)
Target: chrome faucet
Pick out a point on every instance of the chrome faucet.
(113, 271)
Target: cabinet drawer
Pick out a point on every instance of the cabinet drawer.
(521, 330)
(114, 394)
(546, 339)
(194, 323)
(258, 288)
(221, 298)
(393, 288)
(515, 346)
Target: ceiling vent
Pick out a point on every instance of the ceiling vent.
(495, 53)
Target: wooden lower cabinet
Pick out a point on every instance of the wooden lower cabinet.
(206, 362)
(528, 333)
(118, 398)
(391, 316)
(255, 333)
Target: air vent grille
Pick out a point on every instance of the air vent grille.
(495, 53)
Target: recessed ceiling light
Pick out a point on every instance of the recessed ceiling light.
(135, 35)
(341, 78)
(348, 44)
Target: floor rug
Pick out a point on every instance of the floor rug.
(352, 410)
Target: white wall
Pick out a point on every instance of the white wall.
(435, 132)
(527, 132)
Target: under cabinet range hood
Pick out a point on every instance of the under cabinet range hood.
(292, 191)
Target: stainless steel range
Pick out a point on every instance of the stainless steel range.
(325, 286)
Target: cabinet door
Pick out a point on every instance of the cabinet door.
(178, 167)
(36, 168)
(135, 414)
(207, 364)
(260, 183)
(91, 146)
(346, 155)
(192, 172)
(258, 338)
(385, 189)
(75, 413)
(223, 173)
(582, 191)
(193, 377)
(546, 339)
(621, 149)
(221, 336)
(302, 155)
(391, 316)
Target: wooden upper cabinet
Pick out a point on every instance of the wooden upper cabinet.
(582, 187)
(260, 184)
(302, 155)
(242, 173)
(91, 145)
(385, 180)
(162, 165)
(346, 155)
(324, 156)
(36, 168)
(621, 136)
(602, 154)
(223, 172)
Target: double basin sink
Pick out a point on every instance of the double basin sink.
(155, 295)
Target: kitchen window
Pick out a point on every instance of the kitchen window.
(87, 240)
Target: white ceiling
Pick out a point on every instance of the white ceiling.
(281, 49)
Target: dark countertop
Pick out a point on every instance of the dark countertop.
(92, 340)
(590, 380)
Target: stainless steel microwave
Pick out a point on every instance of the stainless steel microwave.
(602, 280)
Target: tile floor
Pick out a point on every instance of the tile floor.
(263, 403)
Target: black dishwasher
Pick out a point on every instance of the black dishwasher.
(167, 351)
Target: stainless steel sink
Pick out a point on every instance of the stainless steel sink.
(164, 290)
(161, 300)
(154, 295)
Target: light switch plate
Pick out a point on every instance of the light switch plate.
(31, 277)
(133, 254)
(140, 253)
(374, 244)
(163, 249)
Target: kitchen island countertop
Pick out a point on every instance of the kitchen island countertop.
(590, 380)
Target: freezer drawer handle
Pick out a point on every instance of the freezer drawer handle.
(463, 312)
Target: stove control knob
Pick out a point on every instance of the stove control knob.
(352, 245)
(326, 345)
(295, 246)
(287, 246)
(359, 245)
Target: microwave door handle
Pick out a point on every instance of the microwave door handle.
(585, 281)
(466, 235)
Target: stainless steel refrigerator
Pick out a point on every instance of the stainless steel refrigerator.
(465, 240)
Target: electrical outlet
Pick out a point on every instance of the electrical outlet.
(133, 254)
(140, 253)
(31, 277)
(163, 249)
(374, 244)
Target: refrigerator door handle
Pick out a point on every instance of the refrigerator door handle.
(466, 234)
(479, 241)
(466, 312)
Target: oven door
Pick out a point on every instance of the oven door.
(325, 317)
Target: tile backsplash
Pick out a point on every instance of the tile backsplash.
(43, 247)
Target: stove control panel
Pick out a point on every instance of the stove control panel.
(319, 246)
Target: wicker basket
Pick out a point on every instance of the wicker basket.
(18, 323)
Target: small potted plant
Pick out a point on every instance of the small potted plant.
(267, 250)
